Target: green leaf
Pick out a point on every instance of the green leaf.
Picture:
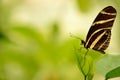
(86, 59)
(108, 63)
(95, 55)
(113, 73)
(29, 33)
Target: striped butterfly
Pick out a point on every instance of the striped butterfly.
(99, 34)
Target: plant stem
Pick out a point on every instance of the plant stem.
(85, 78)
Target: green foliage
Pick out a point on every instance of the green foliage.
(29, 33)
(33, 50)
(84, 5)
(108, 63)
(113, 73)
(86, 59)
(29, 54)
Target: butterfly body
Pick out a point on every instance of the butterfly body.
(99, 34)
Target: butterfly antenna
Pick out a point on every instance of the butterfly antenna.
(82, 41)
(71, 35)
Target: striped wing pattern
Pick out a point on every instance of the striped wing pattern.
(98, 37)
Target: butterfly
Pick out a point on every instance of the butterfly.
(99, 34)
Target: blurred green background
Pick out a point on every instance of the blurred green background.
(35, 42)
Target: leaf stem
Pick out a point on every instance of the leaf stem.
(85, 78)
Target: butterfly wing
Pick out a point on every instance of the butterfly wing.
(99, 34)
